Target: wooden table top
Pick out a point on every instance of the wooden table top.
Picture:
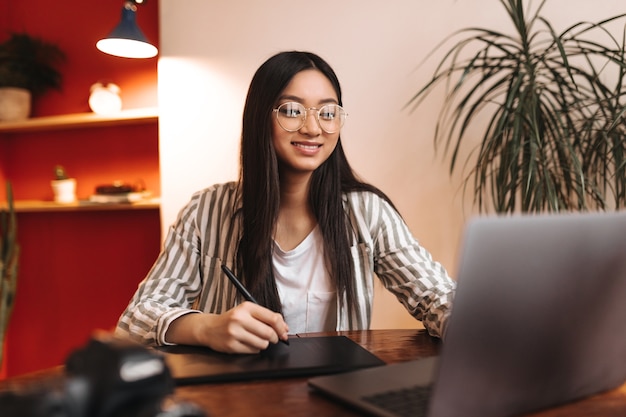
(291, 397)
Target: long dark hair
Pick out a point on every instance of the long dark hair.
(260, 186)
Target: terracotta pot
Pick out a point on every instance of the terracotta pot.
(14, 104)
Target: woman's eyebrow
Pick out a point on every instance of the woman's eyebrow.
(300, 99)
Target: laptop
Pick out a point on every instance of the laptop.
(538, 321)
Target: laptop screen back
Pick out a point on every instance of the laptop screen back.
(541, 308)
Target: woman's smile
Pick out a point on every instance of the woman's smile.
(307, 147)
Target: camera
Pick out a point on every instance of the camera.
(108, 377)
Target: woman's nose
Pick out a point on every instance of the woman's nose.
(311, 126)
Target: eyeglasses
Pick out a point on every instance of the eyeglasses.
(291, 116)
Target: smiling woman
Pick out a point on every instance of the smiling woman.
(303, 233)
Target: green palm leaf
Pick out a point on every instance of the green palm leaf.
(553, 135)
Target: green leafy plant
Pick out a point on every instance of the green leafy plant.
(552, 104)
(60, 173)
(9, 254)
(31, 63)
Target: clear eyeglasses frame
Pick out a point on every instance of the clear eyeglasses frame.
(291, 116)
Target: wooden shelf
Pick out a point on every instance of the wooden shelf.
(37, 206)
(81, 120)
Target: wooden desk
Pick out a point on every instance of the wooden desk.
(291, 397)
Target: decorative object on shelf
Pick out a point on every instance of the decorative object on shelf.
(552, 106)
(120, 192)
(127, 40)
(104, 98)
(63, 187)
(15, 103)
(29, 65)
(9, 256)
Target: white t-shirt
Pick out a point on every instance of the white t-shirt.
(308, 296)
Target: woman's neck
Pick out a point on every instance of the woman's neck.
(295, 217)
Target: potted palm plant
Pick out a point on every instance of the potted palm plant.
(9, 254)
(552, 108)
(28, 67)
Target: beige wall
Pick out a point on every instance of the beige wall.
(210, 49)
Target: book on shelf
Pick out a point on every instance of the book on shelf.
(130, 197)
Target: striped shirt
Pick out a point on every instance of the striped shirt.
(187, 276)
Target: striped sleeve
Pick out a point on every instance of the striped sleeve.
(405, 268)
(192, 247)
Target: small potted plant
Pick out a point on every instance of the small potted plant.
(28, 68)
(63, 187)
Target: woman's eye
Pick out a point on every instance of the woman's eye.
(290, 111)
(327, 114)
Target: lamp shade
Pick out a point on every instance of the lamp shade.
(127, 40)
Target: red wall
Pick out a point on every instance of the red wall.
(75, 27)
(92, 156)
(79, 269)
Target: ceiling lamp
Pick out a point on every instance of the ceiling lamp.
(127, 40)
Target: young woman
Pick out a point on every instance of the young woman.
(303, 234)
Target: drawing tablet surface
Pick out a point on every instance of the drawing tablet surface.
(304, 356)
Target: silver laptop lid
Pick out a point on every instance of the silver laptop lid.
(541, 314)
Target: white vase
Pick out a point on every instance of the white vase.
(14, 104)
(104, 98)
(64, 190)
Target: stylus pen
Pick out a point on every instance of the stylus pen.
(243, 291)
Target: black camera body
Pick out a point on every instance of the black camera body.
(106, 378)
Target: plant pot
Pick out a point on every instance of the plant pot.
(64, 190)
(15, 104)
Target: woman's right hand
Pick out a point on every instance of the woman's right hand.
(246, 328)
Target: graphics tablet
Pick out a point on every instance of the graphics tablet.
(305, 356)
